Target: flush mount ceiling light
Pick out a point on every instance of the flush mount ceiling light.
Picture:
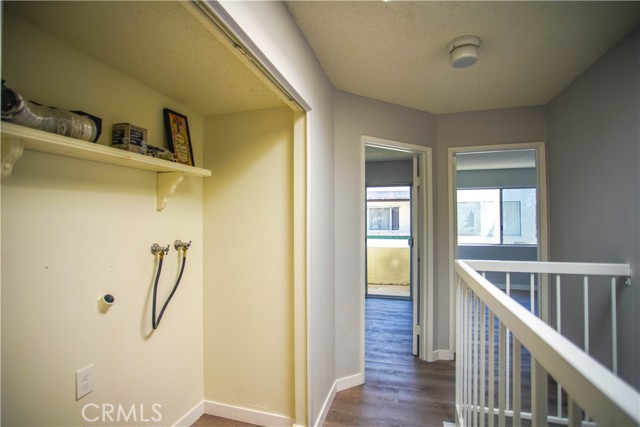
(463, 51)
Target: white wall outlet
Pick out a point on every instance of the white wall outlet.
(84, 381)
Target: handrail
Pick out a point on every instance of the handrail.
(588, 382)
(574, 268)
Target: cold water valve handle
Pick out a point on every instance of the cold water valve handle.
(156, 249)
(180, 245)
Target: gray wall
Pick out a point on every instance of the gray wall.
(356, 116)
(588, 180)
(594, 156)
(470, 129)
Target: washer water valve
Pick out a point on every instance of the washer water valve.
(180, 245)
(156, 249)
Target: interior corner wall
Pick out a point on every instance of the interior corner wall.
(248, 286)
(492, 127)
(74, 230)
(594, 167)
(356, 116)
(270, 26)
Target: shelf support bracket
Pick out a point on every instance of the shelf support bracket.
(167, 184)
(12, 150)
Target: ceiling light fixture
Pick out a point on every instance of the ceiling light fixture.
(463, 51)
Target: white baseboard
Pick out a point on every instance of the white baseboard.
(350, 381)
(326, 406)
(440, 355)
(246, 415)
(191, 417)
(252, 416)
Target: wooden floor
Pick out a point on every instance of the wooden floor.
(211, 421)
(399, 389)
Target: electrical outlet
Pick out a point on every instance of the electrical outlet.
(84, 381)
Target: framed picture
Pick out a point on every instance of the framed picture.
(177, 130)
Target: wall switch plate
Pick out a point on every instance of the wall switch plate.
(84, 381)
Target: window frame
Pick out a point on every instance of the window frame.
(501, 216)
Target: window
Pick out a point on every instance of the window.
(497, 216)
(388, 211)
(387, 218)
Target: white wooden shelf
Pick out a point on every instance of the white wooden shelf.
(16, 138)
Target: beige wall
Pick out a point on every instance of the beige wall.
(270, 26)
(73, 230)
(248, 289)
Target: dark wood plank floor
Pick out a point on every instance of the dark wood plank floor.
(211, 421)
(399, 389)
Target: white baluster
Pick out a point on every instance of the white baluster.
(483, 350)
(475, 336)
(502, 346)
(538, 395)
(532, 291)
(516, 381)
(469, 367)
(463, 380)
(614, 328)
(492, 361)
(586, 313)
(558, 328)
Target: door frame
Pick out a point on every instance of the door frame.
(425, 241)
(542, 217)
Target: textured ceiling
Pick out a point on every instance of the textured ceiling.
(397, 51)
(159, 43)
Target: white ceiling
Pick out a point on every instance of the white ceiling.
(397, 51)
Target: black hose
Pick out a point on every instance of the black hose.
(156, 322)
(155, 292)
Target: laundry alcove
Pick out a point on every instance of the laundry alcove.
(76, 228)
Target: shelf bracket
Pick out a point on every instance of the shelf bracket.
(12, 150)
(167, 184)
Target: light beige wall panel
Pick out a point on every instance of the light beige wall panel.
(248, 226)
(271, 27)
(73, 230)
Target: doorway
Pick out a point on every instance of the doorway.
(397, 226)
(498, 210)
